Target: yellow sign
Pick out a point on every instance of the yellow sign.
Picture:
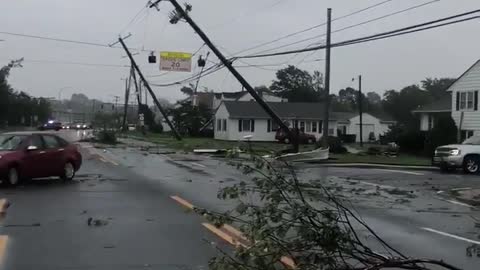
(179, 55)
(176, 61)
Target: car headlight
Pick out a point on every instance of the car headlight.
(455, 152)
(84, 126)
(0, 157)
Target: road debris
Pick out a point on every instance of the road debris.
(96, 222)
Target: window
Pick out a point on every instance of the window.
(470, 100)
(36, 141)
(309, 126)
(224, 127)
(314, 126)
(331, 131)
(50, 142)
(61, 142)
(302, 126)
(246, 125)
(219, 124)
(430, 122)
(320, 127)
(272, 126)
(466, 100)
(10, 142)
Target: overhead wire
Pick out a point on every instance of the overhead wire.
(313, 27)
(206, 72)
(367, 38)
(350, 26)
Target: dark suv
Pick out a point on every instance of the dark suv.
(305, 138)
(51, 125)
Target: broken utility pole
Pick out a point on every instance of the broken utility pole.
(179, 14)
(147, 85)
(327, 79)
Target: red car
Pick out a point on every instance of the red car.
(26, 155)
(305, 138)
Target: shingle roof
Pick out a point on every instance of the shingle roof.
(441, 105)
(382, 116)
(286, 110)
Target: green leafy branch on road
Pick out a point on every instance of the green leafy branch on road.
(282, 216)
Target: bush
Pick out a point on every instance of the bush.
(348, 138)
(410, 139)
(444, 132)
(156, 128)
(336, 146)
(374, 150)
(106, 136)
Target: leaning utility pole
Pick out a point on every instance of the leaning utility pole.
(327, 79)
(180, 13)
(147, 85)
(360, 110)
(128, 84)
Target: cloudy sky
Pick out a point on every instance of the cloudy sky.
(233, 25)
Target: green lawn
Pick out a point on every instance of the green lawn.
(402, 159)
(189, 143)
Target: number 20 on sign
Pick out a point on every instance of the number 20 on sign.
(176, 61)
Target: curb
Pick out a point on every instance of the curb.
(377, 166)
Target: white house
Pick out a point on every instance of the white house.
(462, 104)
(235, 119)
(372, 123)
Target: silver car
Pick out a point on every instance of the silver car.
(465, 156)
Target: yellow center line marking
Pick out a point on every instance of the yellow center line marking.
(3, 205)
(221, 234)
(3, 246)
(232, 235)
(182, 202)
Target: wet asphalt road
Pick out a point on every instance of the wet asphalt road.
(129, 189)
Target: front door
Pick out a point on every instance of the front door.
(33, 161)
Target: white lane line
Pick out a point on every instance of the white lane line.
(451, 235)
(199, 165)
(400, 171)
(377, 185)
(460, 203)
(458, 189)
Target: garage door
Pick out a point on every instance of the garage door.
(367, 129)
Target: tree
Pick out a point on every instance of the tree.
(400, 104)
(296, 85)
(189, 120)
(300, 223)
(374, 98)
(437, 87)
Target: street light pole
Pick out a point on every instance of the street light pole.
(360, 109)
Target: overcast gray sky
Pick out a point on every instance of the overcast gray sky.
(234, 25)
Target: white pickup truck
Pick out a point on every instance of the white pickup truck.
(465, 156)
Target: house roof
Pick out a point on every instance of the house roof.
(461, 76)
(382, 116)
(300, 110)
(441, 105)
(238, 95)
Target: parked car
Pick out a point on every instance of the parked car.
(465, 156)
(305, 138)
(51, 125)
(27, 155)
